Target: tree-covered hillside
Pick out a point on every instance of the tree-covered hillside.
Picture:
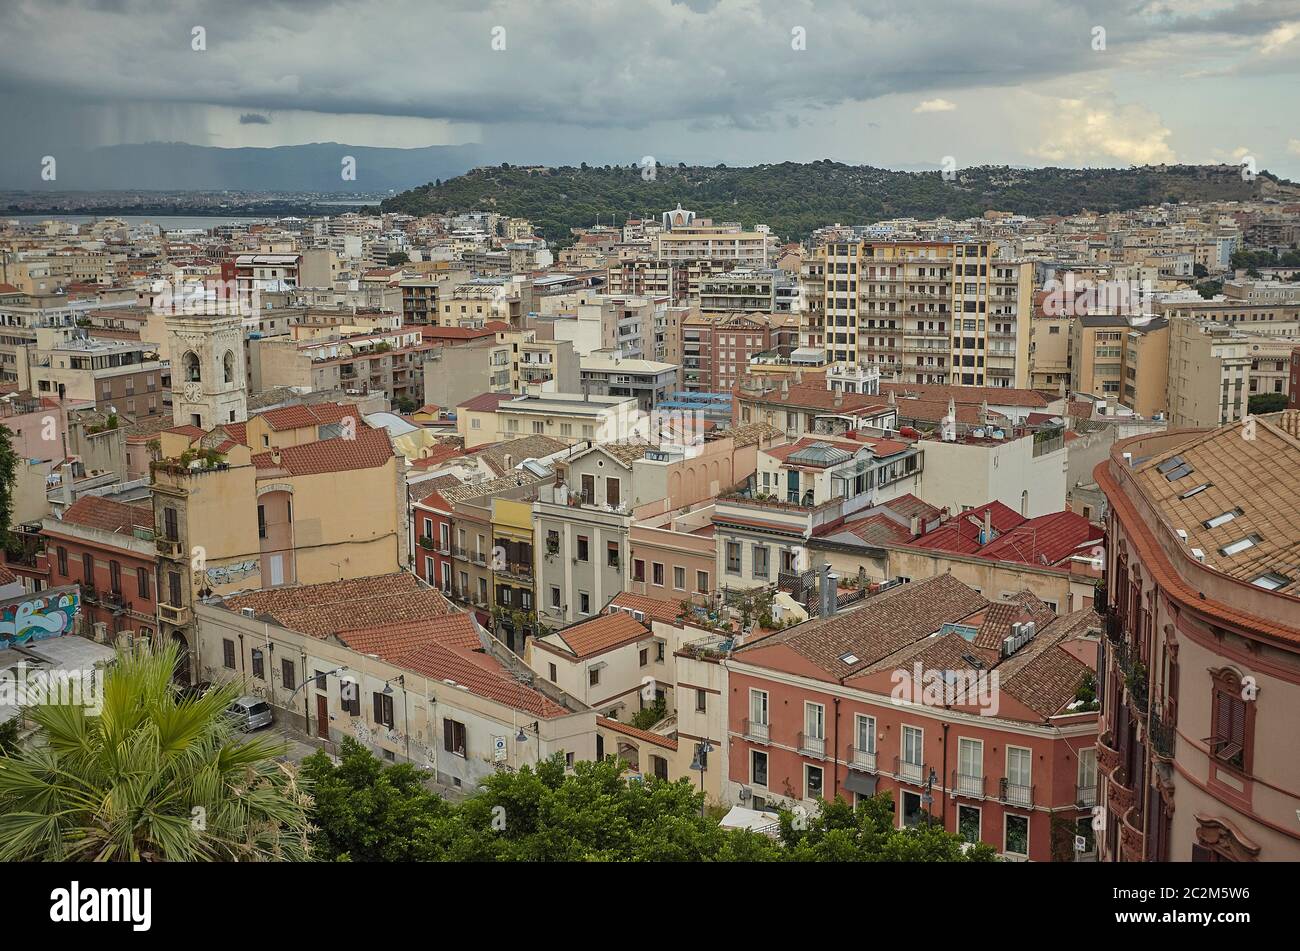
(794, 199)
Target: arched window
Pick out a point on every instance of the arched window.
(1024, 503)
(228, 365)
(190, 367)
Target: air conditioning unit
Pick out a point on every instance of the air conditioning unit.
(248, 612)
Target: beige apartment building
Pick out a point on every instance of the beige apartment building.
(512, 362)
(1049, 353)
(1115, 358)
(923, 311)
(1212, 367)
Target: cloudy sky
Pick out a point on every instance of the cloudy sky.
(1023, 82)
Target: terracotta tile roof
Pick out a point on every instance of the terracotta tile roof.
(1256, 481)
(960, 534)
(194, 432)
(478, 490)
(437, 455)
(488, 679)
(456, 631)
(666, 742)
(320, 610)
(526, 447)
(753, 433)
(602, 633)
(485, 402)
(908, 505)
(430, 498)
(854, 640)
(7, 577)
(1045, 540)
(108, 516)
(300, 416)
(370, 449)
(1044, 676)
(657, 609)
(455, 333)
(1000, 615)
(878, 530)
(815, 396)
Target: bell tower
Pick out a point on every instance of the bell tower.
(209, 381)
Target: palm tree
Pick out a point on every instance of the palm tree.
(153, 776)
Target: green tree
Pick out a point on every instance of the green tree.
(149, 777)
(1266, 403)
(398, 257)
(8, 473)
(866, 833)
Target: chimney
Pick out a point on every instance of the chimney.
(988, 525)
(510, 461)
(830, 591)
(893, 400)
(916, 526)
(785, 389)
(838, 398)
(798, 376)
(275, 456)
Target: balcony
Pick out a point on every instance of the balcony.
(1162, 736)
(1085, 797)
(758, 732)
(169, 547)
(966, 784)
(173, 614)
(812, 745)
(914, 773)
(1015, 794)
(864, 760)
(520, 570)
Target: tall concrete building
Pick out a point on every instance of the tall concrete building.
(946, 312)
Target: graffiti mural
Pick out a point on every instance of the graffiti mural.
(37, 617)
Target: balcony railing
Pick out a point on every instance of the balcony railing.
(1085, 796)
(915, 773)
(1016, 794)
(756, 731)
(966, 784)
(173, 614)
(862, 759)
(812, 745)
(1163, 736)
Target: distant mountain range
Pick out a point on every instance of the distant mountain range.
(796, 198)
(175, 166)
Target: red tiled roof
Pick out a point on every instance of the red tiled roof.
(657, 609)
(455, 333)
(7, 577)
(489, 679)
(194, 432)
(602, 633)
(960, 534)
(108, 516)
(1045, 540)
(320, 610)
(455, 631)
(969, 395)
(485, 402)
(667, 742)
(301, 416)
(370, 449)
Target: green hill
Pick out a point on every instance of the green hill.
(794, 199)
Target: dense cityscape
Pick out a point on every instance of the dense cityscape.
(550, 512)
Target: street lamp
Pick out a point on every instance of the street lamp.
(701, 763)
(928, 798)
(522, 737)
(306, 707)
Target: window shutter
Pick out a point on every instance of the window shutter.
(448, 737)
(379, 707)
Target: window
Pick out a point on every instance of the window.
(350, 697)
(169, 525)
(814, 722)
(638, 570)
(1232, 722)
(760, 561)
(142, 582)
(758, 767)
(758, 707)
(644, 656)
(702, 582)
(174, 588)
(701, 701)
(659, 651)
(657, 574)
(453, 736)
(384, 708)
(1240, 545)
(913, 745)
(582, 548)
(63, 561)
(115, 577)
(1019, 788)
(261, 521)
(911, 808)
(259, 664)
(733, 558)
(1223, 519)
(584, 602)
(864, 733)
(660, 766)
(88, 569)
(593, 676)
(970, 767)
(812, 783)
(968, 823)
(288, 675)
(679, 578)
(1016, 836)
(555, 596)
(611, 555)
(553, 673)
(228, 653)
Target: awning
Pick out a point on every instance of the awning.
(862, 783)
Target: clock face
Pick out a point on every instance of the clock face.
(193, 391)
